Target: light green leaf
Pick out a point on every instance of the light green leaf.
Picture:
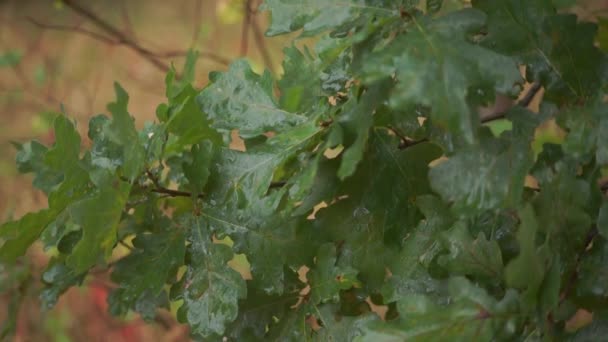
(316, 16)
(19, 235)
(122, 131)
(211, 289)
(241, 99)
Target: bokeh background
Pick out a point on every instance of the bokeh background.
(64, 57)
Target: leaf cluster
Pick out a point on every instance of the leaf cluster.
(371, 202)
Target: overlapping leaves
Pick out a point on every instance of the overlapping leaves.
(367, 181)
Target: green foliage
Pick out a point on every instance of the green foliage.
(460, 232)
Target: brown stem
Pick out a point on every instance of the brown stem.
(245, 29)
(76, 29)
(117, 34)
(524, 102)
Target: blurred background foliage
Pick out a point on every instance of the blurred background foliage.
(63, 56)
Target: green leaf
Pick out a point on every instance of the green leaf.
(316, 16)
(122, 131)
(358, 121)
(592, 279)
(433, 6)
(558, 50)
(602, 220)
(588, 132)
(99, 216)
(64, 154)
(211, 289)
(186, 120)
(144, 272)
(527, 269)
(436, 65)
(241, 99)
(58, 278)
(409, 274)
(327, 279)
(300, 84)
(474, 257)
(471, 314)
(19, 235)
(252, 172)
(197, 172)
(30, 158)
(341, 328)
(483, 177)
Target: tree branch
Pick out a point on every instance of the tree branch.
(524, 102)
(76, 29)
(117, 34)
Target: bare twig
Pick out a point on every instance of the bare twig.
(127, 21)
(77, 29)
(119, 36)
(245, 30)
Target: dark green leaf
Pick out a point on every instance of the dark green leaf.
(197, 172)
(436, 66)
(144, 271)
(471, 314)
(327, 279)
(474, 257)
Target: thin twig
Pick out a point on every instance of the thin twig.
(77, 29)
(124, 244)
(524, 102)
(127, 21)
(245, 29)
(159, 189)
(117, 34)
(107, 40)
